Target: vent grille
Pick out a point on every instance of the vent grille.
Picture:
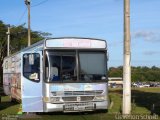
(87, 98)
(68, 99)
(93, 92)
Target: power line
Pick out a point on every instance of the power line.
(21, 17)
(42, 2)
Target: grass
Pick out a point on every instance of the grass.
(148, 98)
(142, 101)
(150, 89)
(8, 107)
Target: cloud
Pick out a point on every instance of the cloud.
(151, 53)
(149, 36)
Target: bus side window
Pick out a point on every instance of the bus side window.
(31, 66)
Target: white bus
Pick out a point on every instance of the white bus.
(59, 74)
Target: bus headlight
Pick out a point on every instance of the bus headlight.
(100, 98)
(46, 99)
(55, 99)
(51, 99)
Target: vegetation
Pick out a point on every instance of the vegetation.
(142, 74)
(144, 100)
(18, 40)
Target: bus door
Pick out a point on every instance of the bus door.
(32, 82)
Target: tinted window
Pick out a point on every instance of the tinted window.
(92, 66)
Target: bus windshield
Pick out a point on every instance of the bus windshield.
(72, 66)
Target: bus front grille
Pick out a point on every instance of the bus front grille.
(93, 92)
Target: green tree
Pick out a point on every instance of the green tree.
(140, 73)
(115, 72)
(3, 46)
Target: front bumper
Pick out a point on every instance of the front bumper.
(75, 107)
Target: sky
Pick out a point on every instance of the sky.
(101, 19)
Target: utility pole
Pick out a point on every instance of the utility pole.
(27, 2)
(127, 59)
(8, 40)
